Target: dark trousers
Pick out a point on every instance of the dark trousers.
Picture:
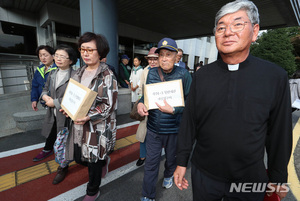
(154, 145)
(94, 169)
(207, 189)
(124, 85)
(51, 138)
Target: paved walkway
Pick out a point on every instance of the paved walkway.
(19, 175)
(123, 182)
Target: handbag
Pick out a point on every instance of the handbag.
(134, 113)
(141, 131)
(60, 146)
(97, 144)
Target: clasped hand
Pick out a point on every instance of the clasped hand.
(48, 100)
(77, 121)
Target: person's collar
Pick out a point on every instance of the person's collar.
(63, 70)
(235, 67)
(137, 68)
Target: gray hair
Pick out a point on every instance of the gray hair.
(237, 5)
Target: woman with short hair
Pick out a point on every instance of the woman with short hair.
(97, 76)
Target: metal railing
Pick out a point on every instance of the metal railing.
(16, 72)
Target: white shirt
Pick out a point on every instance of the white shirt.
(134, 78)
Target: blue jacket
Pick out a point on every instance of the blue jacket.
(164, 123)
(180, 64)
(39, 80)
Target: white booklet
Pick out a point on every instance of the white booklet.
(171, 91)
(296, 104)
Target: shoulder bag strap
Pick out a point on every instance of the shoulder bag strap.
(160, 74)
(68, 122)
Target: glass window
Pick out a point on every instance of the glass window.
(67, 31)
(185, 58)
(17, 38)
(196, 59)
(133, 47)
(208, 39)
(205, 61)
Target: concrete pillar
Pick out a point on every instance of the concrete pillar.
(54, 34)
(101, 17)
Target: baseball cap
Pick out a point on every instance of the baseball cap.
(167, 43)
(124, 56)
(152, 53)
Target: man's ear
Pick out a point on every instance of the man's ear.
(255, 32)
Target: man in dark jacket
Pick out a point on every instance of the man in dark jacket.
(163, 122)
(124, 73)
(238, 107)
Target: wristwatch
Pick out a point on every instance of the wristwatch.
(173, 110)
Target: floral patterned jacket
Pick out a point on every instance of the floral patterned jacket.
(103, 110)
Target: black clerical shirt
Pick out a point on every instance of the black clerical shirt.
(234, 115)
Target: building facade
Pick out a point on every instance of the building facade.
(198, 49)
(21, 32)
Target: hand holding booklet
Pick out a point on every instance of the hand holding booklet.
(171, 91)
(77, 100)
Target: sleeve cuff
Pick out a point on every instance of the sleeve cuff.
(56, 104)
(141, 99)
(277, 177)
(43, 93)
(92, 118)
(182, 161)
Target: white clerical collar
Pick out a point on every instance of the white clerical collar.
(233, 67)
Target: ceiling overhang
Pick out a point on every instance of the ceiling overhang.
(178, 19)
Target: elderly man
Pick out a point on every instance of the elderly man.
(178, 59)
(124, 72)
(163, 123)
(237, 107)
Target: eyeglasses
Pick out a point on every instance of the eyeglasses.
(236, 26)
(89, 51)
(60, 57)
(153, 59)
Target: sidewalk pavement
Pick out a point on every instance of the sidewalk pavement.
(28, 138)
(23, 179)
(123, 183)
(129, 186)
